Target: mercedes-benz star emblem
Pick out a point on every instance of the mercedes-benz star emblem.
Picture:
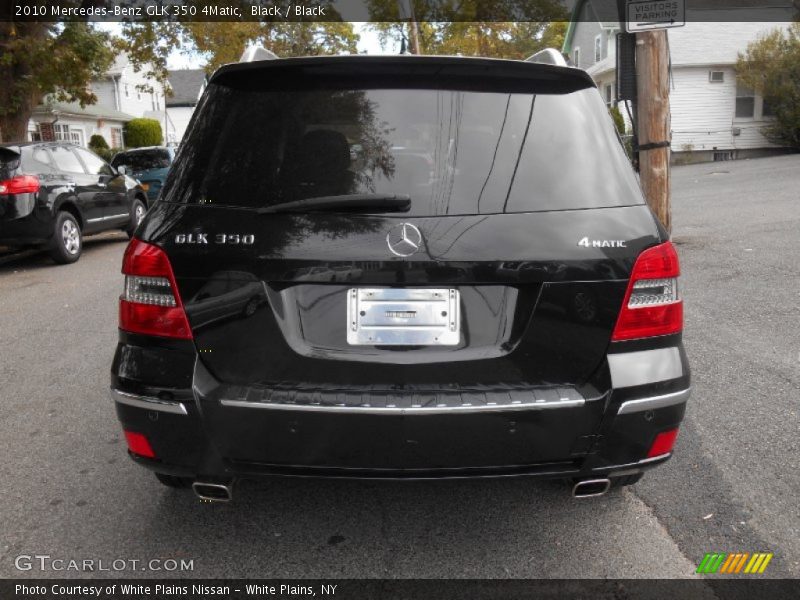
(404, 239)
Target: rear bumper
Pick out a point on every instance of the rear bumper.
(24, 230)
(200, 427)
(182, 443)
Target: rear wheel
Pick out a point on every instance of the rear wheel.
(138, 210)
(67, 242)
(173, 481)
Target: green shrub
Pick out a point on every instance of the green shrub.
(98, 142)
(105, 153)
(142, 132)
(619, 122)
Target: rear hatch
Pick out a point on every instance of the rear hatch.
(401, 231)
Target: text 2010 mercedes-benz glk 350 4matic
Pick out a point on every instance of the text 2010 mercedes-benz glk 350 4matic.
(400, 267)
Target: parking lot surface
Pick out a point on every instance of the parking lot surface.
(71, 492)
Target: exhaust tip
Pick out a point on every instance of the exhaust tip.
(213, 492)
(588, 488)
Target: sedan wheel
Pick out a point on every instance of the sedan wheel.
(67, 241)
(71, 237)
(138, 213)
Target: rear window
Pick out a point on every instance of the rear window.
(9, 161)
(452, 151)
(144, 160)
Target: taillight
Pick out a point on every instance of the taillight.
(139, 444)
(663, 443)
(652, 304)
(21, 184)
(150, 303)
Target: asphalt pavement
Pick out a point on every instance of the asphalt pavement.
(70, 491)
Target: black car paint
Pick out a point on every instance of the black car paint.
(28, 219)
(559, 298)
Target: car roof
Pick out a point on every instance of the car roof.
(40, 143)
(398, 69)
(144, 149)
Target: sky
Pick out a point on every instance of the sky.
(178, 60)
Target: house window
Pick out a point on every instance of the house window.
(61, 132)
(127, 91)
(716, 76)
(76, 136)
(576, 57)
(138, 94)
(745, 102)
(598, 49)
(116, 137)
(609, 95)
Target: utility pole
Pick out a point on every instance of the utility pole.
(413, 27)
(406, 11)
(653, 121)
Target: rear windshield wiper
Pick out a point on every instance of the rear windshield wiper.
(348, 202)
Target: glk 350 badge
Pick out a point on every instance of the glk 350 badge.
(231, 239)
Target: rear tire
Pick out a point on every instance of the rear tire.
(67, 243)
(138, 210)
(173, 481)
(626, 480)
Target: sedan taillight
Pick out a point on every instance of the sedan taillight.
(21, 184)
(151, 304)
(652, 304)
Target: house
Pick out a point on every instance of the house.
(713, 117)
(186, 85)
(72, 123)
(120, 98)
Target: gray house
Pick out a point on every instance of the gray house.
(714, 117)
(187, 85)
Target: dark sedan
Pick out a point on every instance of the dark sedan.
(54, 193)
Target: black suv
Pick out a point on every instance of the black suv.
(400, 267)
(54, 193)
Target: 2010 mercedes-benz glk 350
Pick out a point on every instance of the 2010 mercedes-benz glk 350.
(400, 267)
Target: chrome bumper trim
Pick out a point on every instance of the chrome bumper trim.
(148, 402)
(630, 468)
(653, 402)
(414, 410)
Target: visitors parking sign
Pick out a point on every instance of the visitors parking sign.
(643, 15)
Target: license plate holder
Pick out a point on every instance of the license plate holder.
(403, 317)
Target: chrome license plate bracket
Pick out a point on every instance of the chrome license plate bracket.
(403, 317)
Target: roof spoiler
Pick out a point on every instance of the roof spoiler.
(548, 56)
(256, 53)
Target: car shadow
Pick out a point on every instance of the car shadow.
(339, 528)
(37, 258)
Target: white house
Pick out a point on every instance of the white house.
(119, 99)
(713, 116)
(73, 123)
(186, 85)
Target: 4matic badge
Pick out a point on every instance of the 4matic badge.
(231, 239)
(587, 243)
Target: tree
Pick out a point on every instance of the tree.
(142, 132)
(489, 39)
(499, 29)
(37, 59)
(149, 43)
(771, 66)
